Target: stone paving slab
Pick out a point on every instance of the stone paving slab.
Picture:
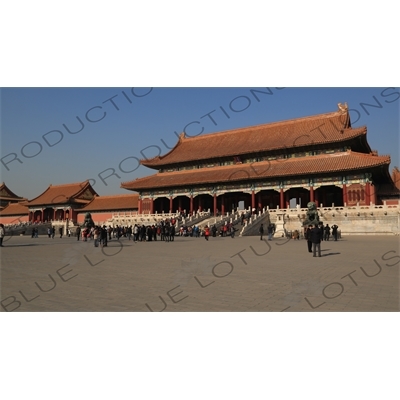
(190, 274)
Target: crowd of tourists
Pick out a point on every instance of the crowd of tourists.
(164, 230)
(315, 234)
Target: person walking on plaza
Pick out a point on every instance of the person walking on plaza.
(60, 230)
(335, 231)
(103, 236)
(96, 237)
(327, 232)
(261, 231)
(308, 237)
(53, 232)
(206, 232)
(321, 228)
(78, 232)
(270, 231)
(316, 235)
(2, 234)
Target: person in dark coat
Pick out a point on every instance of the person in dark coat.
(316, 236)
(334, 231)
(172, 233)
(321, 228)
(78, 233)
(308, 237)
(261, 231)
(327, 232)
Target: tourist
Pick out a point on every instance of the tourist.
(36, 232)
(327, 232)
(270, 231)
(316, 237)
(321, 228)
(2, 234)
(172, 233)
(103, 236)
(33, 233)
(48, 232)
(206, 232)
(214, 231)
(135, 233)
(143, 233)
(53, 232)
(60, 230)
(232, 231)
(78, 233)
(335, 231)
(261, 231)
(308, 237)
(128, 232)
(96, 237)
(69, 232)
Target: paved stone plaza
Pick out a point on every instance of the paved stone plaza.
(356, 273)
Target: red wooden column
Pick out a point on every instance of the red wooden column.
(344, 194)
(282, 200)
(215, 204)
(200, 204)
(253, 200)
(151, 206)
(139, 206)
(259, 201)
(42, 215)
(223, 204)
(180, 204)
(311, 193)
(170, 205)
(287, 198)
(191, 204)
(367, 194)
(372, 194)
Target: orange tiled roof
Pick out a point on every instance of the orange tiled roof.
(320, 164)
(323, 128)
(14, 209)
(62, 194)
(111, 203)
(7, 194)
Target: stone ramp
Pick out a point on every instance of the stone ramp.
(252, 229)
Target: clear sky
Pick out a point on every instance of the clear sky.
(118, 126)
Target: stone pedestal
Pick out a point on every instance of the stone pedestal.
(279, 225)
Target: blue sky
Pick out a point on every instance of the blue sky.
(141, 122)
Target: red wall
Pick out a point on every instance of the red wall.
(16, 219)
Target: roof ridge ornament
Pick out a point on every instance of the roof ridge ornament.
(343, 107)
(182, 136)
